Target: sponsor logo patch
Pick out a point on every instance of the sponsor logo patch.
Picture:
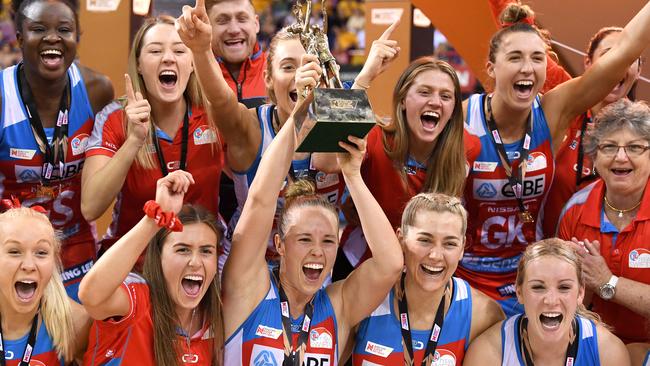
(485, 166)
(639, 258)
(266, 356)
(536, 161)
(500, 190)
(324, 180)
(204, 135)
(23, 154)
(268, 332)
(79, 144)
(378, 350)
(320, 338)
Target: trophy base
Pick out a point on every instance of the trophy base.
(338, 113)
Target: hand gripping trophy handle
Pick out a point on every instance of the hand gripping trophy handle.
(314, 39)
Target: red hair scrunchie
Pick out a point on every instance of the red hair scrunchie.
(168, 220)
(13, 202)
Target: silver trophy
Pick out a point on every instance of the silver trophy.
(338, 112)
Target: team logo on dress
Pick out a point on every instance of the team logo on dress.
(268, 332)
(79, 144)
(536, 161)
(485, 166)
(23, 154)
(324, 180)
(265, 358)
(204, 135)
(639, 258)
(443, 357)
(486, 190)
(573, 145)
(320, 338)
(378, 350)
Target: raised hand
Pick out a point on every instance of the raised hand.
(194, 27)
(382, 53)
(171, 189)
(307, 75)
(138, 113)
(350, 162)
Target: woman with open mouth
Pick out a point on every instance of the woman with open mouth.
(40, 323)
(610, 219)
(48, 104)
(161, 126)
(555, 328)
(573, 168)
(171, 315)
(429, 317)
(285, 316)
(509, 181)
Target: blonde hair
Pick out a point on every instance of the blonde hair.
(301, 193)
(557, 248)
(436, 202)
(446, 165)
(55, 304)
(193, 93)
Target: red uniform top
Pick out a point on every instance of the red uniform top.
(129, 340)
(388, 188)
(204, 161)
(249, 87)
(627, 252)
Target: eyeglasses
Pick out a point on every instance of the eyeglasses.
(610, 150)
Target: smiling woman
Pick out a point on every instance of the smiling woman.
(48, 104)
(171, 315)
(160, 127)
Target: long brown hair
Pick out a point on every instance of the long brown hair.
(165, 320)
(193, 93)
(446, 165)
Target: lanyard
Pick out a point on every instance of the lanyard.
(436, 328)
(290, 358)
(54, 154)
(571, 351)
(29, 347)
(517, 172)
(159, 153)
(586, 120)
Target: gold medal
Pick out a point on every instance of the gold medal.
(526, 217)
(46, 191)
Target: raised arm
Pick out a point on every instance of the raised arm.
(100, 290)
(235, 122)
(375, 277)
(575, 96)
(103, 176)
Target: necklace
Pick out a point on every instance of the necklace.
(620, 211)
(189, 357)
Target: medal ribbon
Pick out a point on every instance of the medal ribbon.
(54, 154)
(517, 172)
(290, 356)
(184, 141)
(436, 329)
(29, 347)
(586, 120)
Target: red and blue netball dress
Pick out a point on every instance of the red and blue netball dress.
(328, 185)
(626, 252)
(129, 340)
(586, 353)
(497, 231)
(22, 174)
(260, 339)
(203, 158)
(43, 354)
(379, 337)
(646, 360)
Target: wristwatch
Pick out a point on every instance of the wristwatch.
(608, 290)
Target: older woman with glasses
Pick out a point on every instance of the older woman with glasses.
(609, 220)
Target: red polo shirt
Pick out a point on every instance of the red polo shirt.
(627, 252)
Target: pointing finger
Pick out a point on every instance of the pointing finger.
(130, 96)
(387, 33)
